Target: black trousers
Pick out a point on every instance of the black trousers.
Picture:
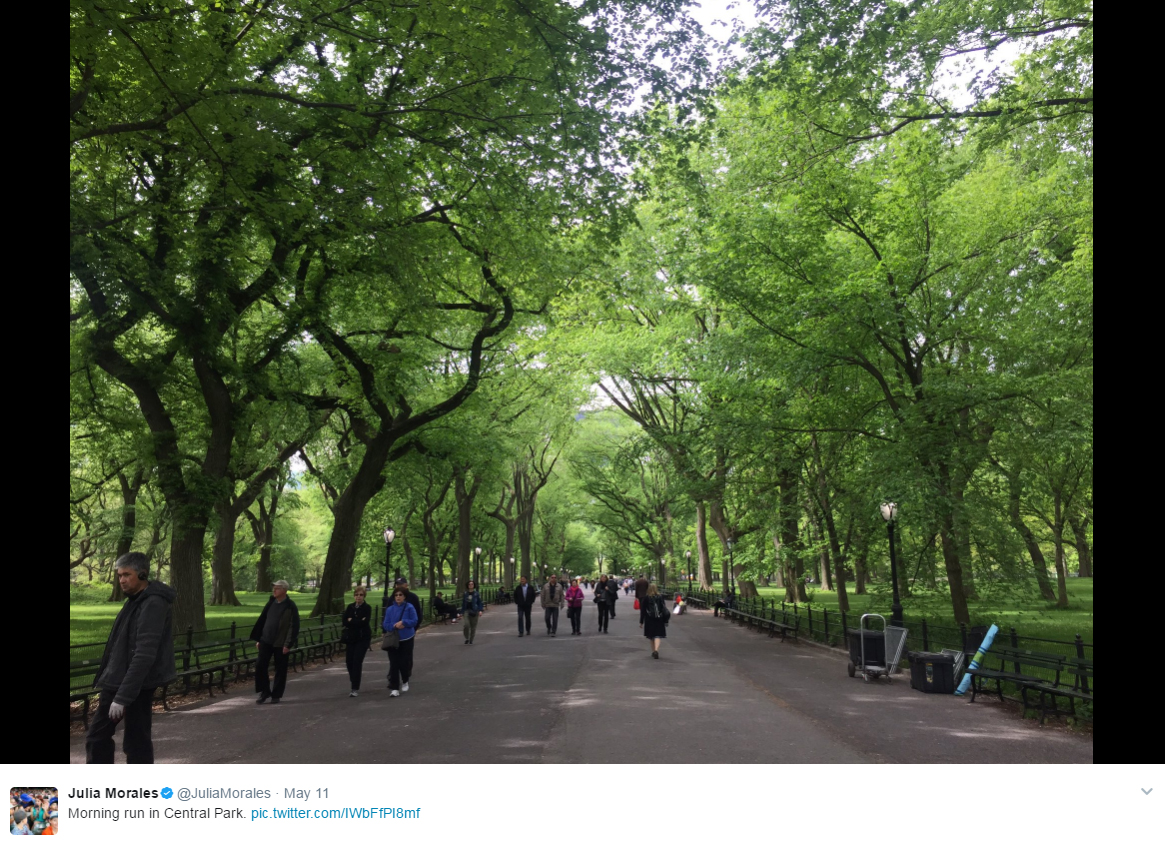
(400, 663)
(611, 606)
(354, 658)
(552, 620)
(575, 614)
(137, 741)
(262, 679)
(524, 614)
(604, 615)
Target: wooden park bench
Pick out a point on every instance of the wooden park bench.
(1012, 662)
(1081, 690)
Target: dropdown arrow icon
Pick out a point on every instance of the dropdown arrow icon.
(1146, 790)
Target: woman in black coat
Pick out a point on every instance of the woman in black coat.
(358, 636)
(653, 618)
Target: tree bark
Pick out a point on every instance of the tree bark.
(464, 494)
(1039, 564)
(130, 489)
(222, 587)
(1079, 526)
(791, 546)
(1058, 543)
(705, 559)
(954, 569)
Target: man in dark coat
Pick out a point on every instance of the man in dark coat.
(613, 588)
(641, 588)
(138, 658)
(410, 597)
(275, 634)
(524, 596)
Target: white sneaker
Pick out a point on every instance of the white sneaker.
(394, 694)
(353, 694)
(405, 687)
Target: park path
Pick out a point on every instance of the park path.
(719, 693)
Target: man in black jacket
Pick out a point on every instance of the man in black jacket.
(138, 658)
(411, 597)
(613, 588)
(524, 596)
(275, 634)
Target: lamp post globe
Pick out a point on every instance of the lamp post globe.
(890, 515)
(389, 536)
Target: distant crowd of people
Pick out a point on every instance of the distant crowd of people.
(32, 811)
(139, 653)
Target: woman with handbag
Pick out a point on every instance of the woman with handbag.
(356, 636)
(471, 608)
(574, 603)
(400, 628)
(653, 618)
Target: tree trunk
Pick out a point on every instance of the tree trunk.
(1039, 564)
(778, 571)
(954, 570)
(130, 489)
(1058, 542)
(1079, 528)
(464, 496)
(860, 573)
(186, 576)
(791, 546)
(704, 563)
(222, 588)
(348, 512)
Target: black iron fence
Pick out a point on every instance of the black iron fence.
(830, 627)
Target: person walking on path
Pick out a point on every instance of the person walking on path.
(524, 595)
(402, 617)
(604, 599)
(410, 597)
(551, 603)
(574, 604)
(138, 658)
(653, 618)
(357, 637)
(471, 608)
(641, 588)
(275, 634)
(613, 589)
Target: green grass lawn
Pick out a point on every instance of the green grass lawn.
(1029, 614)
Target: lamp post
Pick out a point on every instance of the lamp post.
(512, 571)
(689, 556)
(477, 565)
(890, 514)
(389, 537)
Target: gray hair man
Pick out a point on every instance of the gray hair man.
(138, 658)
(275, 634)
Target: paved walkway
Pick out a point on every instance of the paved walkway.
(720, 693)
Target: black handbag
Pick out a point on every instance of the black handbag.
(390, 640)
(345, 637)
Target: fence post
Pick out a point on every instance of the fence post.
(232, 643)
(925, 637)
(809, 610)
(1015, 644)
(1080, 654)
(825, 622)
(963, 635)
